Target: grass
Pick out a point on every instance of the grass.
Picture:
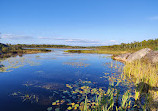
(142, 72)
(98, 51)
(145, 77)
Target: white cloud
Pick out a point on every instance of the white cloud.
(44, 37)
(82, 41)
(77, 40)
(62, 39)
(67, 41)
(13, 36)
(113, 41)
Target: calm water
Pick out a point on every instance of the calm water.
(34, 81)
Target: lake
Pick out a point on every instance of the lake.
(34, 81)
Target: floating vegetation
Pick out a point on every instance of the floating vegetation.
(51, 86)
(49, 109)
(26, 97)
(47, 86)
(7, 65)
(37, 56)
(81, 59)
(76, 64)
(27, 84)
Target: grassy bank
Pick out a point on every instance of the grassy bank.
(98, 51)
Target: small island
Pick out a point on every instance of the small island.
(14, 50)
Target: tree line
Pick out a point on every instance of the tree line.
(151, 43)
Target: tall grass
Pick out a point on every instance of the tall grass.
(145, 76)
(142, 72)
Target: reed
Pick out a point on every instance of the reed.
(145, 77)
(142, 72)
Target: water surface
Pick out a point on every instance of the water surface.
(32, 82)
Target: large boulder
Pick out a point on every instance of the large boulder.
(138, 55)
(129, 57)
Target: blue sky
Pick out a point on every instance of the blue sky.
(78, 22)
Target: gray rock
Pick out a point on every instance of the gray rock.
(122, 57)
(143, 53)
(138, 55)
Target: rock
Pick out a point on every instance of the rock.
(138, 55)
(152, 57)
(148, 53)
(122, 57)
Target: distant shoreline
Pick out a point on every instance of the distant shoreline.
(21, 52)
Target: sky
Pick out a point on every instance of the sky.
(78, 22)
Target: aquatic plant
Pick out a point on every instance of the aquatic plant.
(26, 97)
(85, 97)
(12, 63)
(76, 64)
(108, 101)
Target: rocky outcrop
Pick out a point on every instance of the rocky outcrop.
(138, 55)
(146, 53)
